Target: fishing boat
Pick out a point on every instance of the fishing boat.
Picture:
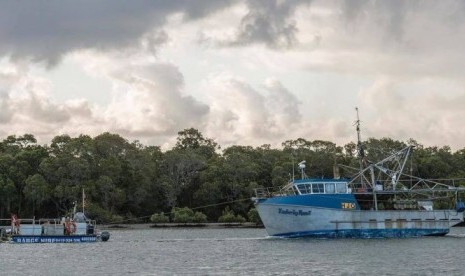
(78, 229)
(378, 201)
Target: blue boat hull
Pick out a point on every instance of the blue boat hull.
(282, 218)
(54, 239)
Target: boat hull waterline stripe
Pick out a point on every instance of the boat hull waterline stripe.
(367, 233)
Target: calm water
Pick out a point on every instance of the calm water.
(236, 252)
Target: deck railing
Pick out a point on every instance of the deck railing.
(48, 226)
(270, 192)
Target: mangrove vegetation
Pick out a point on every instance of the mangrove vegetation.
(194, 181)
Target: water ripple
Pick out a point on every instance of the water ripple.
(235, 252)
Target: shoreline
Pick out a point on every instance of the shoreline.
(140, 226)
(212, 225)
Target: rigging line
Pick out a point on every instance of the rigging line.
(223, 203)
(168, 213)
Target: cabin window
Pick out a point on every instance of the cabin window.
(329, 188)
(308, 188)
(341, 188)
(318, 188)
(303, 188)
(294, 189)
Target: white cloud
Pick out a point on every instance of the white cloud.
(241, 114)
(243, 72)
(432, 117)
(28, 108)
(152, 101)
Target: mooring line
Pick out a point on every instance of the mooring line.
(169, 213)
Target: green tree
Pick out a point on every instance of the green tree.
(181, 170)
(68, 169)
(193, 139)
(254, 217)
(199, 217)
(159, 218)
(183, 215)
(36, 190)
(20, 158)
(111, 196)
(229, 217)
(7, 195)
(143, 166)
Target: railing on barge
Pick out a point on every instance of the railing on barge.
(44, 227)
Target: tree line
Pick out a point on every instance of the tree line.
(128, 181)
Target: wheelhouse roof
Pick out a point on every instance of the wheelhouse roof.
(319, 180)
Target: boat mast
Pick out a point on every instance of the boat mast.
(361, 155)
(83, 200)
(360, 151)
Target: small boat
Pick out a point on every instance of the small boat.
(378, 201)
(78, 229)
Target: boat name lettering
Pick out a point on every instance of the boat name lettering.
(348, 205)
(55, 239)
(28, 240)
(294, 212)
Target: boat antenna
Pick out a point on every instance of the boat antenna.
(293, 168)
(302, 168)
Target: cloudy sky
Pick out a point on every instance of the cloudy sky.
(247, 72)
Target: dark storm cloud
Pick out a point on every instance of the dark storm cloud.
(269, 22)
(394, 18)
(388, 14)
(44, 30)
